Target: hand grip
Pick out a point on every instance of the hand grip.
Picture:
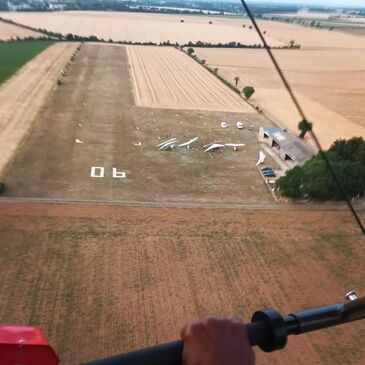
(171, 353)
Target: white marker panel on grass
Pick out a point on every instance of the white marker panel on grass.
(99, 171)
(118, 174)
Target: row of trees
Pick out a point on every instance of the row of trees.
(247, 91)
(315, 180)
(236, 45)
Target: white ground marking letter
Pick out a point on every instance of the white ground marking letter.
(118, 174)
(97, 171)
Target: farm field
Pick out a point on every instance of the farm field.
(160, 27)
(13, 55)
(328, 83)
(311, 38)
(23, 95)
(8, 31)
(101, 280)
(91, 121)
(138, 27)
(166, 78)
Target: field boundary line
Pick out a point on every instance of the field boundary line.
(134, 81)
(186, 205)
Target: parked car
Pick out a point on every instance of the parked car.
(239, 125)
(267, 169)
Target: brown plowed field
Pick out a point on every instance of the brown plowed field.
(24, 94)
(101, 280)
(164, 77)
(8, 31)
(329, 85)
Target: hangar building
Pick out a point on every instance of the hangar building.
(288, 146)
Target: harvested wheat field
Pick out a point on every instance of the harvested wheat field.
(8, 31)
(101, 280)
(311, 38)
(328, 83)
(138, 27)
(164, 77)
(24, 94)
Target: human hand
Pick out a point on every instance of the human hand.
(216, 341)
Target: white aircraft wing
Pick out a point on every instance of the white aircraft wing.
(262, 157)
(235, 144)
(188, 143)
(169, 140)
(209, 144)
(214, 146)
(167, 144)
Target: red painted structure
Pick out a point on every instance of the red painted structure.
(25, 345)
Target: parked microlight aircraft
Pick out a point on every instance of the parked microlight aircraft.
(170, 144)
(235, 145)
(189, 143)
(169, 140)
(214, 146)
(209, 144)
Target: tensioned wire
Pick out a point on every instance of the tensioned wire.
(303, 116)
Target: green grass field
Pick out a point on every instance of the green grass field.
(13, 55)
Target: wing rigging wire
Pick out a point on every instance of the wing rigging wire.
(302, 114)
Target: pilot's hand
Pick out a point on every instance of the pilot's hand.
(216, 341)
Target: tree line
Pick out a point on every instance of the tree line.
(314, 180)
(201, 44)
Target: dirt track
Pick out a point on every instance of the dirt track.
(24, 94)
(95, 105)
(103, 280)
(8, 31)
(166, 78)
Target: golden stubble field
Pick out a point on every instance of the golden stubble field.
(23, 96)
(329, 84)
(164, 77)
(139, 27)
(8, 31)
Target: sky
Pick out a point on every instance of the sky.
(318, 2)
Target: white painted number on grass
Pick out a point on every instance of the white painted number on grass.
(118, 174)
(97, 171)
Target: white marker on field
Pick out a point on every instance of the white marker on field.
(97, 171)
(118, 174)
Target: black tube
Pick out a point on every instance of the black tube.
(268, 330)
(171, 353)
(317, 318)
(166, 354)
